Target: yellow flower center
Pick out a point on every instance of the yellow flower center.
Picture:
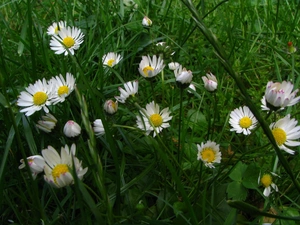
(68, 42)
(208, 155)
(58, 170)
(279, 135)
(39, 98)
(156, 120)
(245, 122)
(63, 90)
(266, 180)
(114, 105)
(110, 62)
(147, 69)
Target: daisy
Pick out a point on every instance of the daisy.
(267, 182)
(173, 65)
(146, 22)
(210, 82)
(111, 59)
(285, 132)
(98, 128)
(72, 129)
(152, 119)
(58, 168)
(56, 27)
(150, 67)
(242, 120)
(183, 76)
(131, 88)
(47, 123)
(279, 95)
(67, 40)
(36, 97)
(209, 153)
(62, 88)
(36, 164)
(110, 106)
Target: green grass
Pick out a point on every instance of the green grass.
(133, 178)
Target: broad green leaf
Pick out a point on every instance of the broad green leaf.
(238, 171)
(236, 191)
(250, 177)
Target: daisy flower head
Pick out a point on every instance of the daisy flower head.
(285, 132)
(36, 97)
(209, 153)
(36, 164)
(183, 76)
(98, 128)
(47, 123)
(62, 87)
(66, 41)
(56, 27)
(150, 67)
(58, 168)
(267, 181)
(110, 106)
(131, 88)
(173, 65)
(111, 59)
(191, 87)
(279, 95)
(146, 22)
(242, 120)
(152, 119)
(72, 129)
(210, 82)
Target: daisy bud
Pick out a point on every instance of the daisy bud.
(47, 123)
(192, 87)
(98, 128)
(291, 48)
(173, 65)
(183, 77)
(36, 164)
(110, 106)
(210, 82)
(72, 129)
(146, 22)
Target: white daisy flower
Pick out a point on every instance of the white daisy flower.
(146, 22)
(192, 87)
(209, 153)
(111, 59)
(279, 95)
(173, 65)
(183, 76)
(267, 182)
(152, 119)
(242, 120)
(56, 27)
(58, 167)
(47, 123)
(67, 40)
(62, 88)
(110, 106)
(131, 88)
(36, 164)
(210, 82)
(285, 132)
(98, 128)
(36, 97)
(72, 129)
(151, 67)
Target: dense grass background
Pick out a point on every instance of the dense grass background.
(133, 178)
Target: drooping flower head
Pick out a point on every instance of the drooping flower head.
(210, 82)
(36, 97)
(72, 129)
(36, 164)
(110, 106)
(58, 167)
(209, 153)
(98, 128)
(146, 22)
(67, 40)
(131, 88)
(267, 181)
(183, 76)
(47, 123)
(56, 27)
(111, 59)
(242, 120)
(151, 67)
(279, 95)
(62, 88)
(285, 132)
(152, 119)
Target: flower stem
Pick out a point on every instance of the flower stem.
(180, 147)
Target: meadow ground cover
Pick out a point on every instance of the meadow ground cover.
(149, 112)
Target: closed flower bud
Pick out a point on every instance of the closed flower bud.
(210, 82)
(72, 129)
(173, 65)
(146, 22)
(36, 164)
(110, 106)
(47, 123)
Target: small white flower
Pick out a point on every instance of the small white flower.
(210, 82)
(98, 128)
(110, 106)
(209, 153)
(285, 132)
(192, 87)
(62, 88)
(183, 76)
(150, 67)
(67, 40)
(267, 182)
(72, 129)
(111, 59)
(58, 167)
(36, 164)
(152, 119)
(242, 120)
(131, 88)
(146, 22)
(47, 123)
(173, 65)
(36, 97)
(56, 27)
